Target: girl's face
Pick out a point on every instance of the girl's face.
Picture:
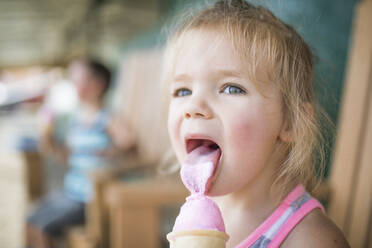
(212, 98)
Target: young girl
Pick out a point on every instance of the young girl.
(242, 79)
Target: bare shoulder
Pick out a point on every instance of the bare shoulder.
(316, 230)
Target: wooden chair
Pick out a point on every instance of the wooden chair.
(95, 233)
(78, 238)
(34, 174)
(135, 219)
(350, 180)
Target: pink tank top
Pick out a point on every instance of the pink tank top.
(272, 232)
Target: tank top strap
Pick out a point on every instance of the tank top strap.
(301, 213)
(272, 232)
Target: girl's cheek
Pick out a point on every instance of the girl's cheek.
(243, 132)
(174, 118)
(174, 132)
(171, 131)
(170, 119)
(241, 124)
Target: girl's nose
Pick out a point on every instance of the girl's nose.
(198, 108)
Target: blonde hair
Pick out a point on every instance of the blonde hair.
(274, 46)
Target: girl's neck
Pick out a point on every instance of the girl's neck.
(255, 196)
(246, 209)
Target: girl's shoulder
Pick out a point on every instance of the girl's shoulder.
(315, 230)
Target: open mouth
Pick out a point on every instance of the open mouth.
(192, 144)
(203, 149)
(199, 168)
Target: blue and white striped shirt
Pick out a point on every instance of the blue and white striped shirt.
(84, 142)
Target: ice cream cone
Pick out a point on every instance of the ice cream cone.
(197, 239)
(199, 223)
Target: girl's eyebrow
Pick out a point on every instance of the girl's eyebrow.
(228, 73)
(182, 78)
(221, 73)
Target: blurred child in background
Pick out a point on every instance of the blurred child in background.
(88, 145)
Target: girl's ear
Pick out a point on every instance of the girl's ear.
(286, 134)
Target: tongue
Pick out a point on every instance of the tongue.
(197, 171)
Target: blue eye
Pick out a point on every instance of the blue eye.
(231, 89)
(182, 92)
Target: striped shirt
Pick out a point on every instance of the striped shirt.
(84, 142)
(272, 232)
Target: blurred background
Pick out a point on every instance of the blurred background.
(40, 38)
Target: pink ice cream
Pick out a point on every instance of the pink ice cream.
(199, 212)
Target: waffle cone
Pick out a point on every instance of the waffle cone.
(197, 239)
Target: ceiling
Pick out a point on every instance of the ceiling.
(52, 31)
